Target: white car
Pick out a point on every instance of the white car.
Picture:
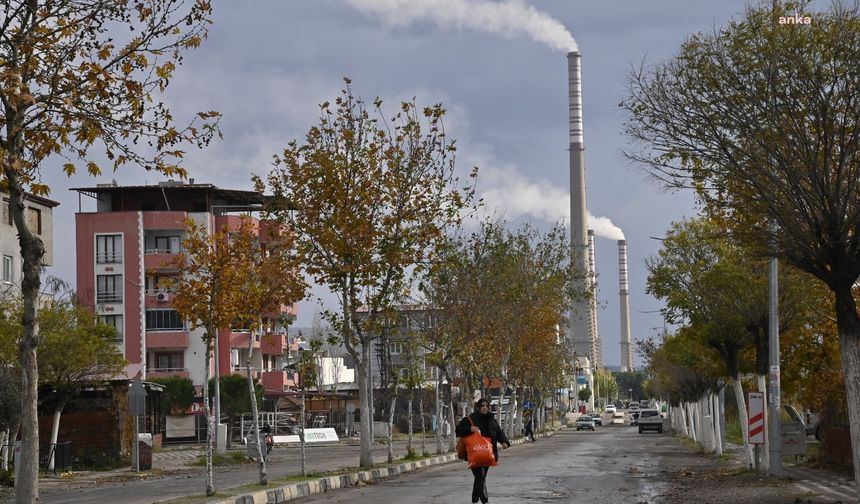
(610, 409)
(585, 422)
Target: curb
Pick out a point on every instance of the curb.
(292, 491)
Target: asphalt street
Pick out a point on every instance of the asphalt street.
(613, 465)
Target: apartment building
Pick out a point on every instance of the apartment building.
(40, 219)
(124, 250)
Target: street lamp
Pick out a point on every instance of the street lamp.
(630, 391)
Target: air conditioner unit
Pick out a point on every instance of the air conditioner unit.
(162, 296)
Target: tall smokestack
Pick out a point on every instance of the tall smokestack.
(626, 342)
(596, 347)
(579, 333)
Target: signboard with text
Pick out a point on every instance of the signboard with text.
(756, 418)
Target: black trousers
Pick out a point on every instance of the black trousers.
(479, 487)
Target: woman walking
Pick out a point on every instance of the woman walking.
(484, 423)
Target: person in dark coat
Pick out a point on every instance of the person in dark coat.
(485, 424)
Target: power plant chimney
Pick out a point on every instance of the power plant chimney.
(579, 313)
(626, 342)
(596, 345)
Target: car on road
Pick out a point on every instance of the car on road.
(597, 417)
(585, 422)
(610, 408)
(650, 419)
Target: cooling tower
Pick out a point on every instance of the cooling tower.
(626, 341)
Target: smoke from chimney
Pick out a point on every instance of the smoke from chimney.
(509, 18)
(626, 340)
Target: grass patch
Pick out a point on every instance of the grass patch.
(230, 458)
(734, 433)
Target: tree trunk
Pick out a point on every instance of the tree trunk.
(743, 418)
(55, 431)
(409, 449)
(207, 410)
(5, 442)
(513, 418)
(365, 457)
(302, 439)
(439, 421)
(452, 423)
(423, 423)
(32, 251)
(391, 407)
(715, 417)
(848, 323)
(255, 425)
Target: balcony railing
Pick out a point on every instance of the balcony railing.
(161, 251)
(108, 257)
(167, 370)
(109, 297)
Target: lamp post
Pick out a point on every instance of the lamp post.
(630, 393)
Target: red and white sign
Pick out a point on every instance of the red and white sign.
(756, 422)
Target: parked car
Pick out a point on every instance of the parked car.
(585, 422)
(610, 408)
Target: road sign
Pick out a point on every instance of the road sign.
(581, 380)
(527, 404)
(136, 398)
(756, 420)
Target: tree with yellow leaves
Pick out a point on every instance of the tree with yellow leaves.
(367, 198)
(78, 76)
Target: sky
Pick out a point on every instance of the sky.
(500, 69)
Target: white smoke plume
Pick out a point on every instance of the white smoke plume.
(509, 18)
(514, 197)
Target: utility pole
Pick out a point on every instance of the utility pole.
(775, 438)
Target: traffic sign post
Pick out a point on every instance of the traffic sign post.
(755, 427)
(136, 408)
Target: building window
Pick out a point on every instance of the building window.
(167, 244)
(114, 321)
(34, 220)
(168, 362)
(108, 249)
(163, 320)
(395, 348)
(7, 269)
(108, 288)
(7, 212)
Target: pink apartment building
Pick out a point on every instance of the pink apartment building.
(123, 251)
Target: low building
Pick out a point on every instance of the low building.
(40, 220)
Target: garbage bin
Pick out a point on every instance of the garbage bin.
(63, 456)
(144, 447)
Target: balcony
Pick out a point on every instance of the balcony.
(277, 380)
(240, 339)
(157, 259)
(109, 257)
(273, 344)
(177, 338)
(109, 297)
(166, 373)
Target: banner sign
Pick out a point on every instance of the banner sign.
(327, 434)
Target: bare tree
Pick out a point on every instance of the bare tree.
(763, 120)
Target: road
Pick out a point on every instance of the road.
(610, 465)
(613, 465)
